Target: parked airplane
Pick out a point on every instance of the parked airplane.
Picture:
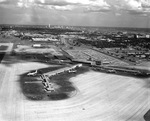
(33, 73)
(72, 71)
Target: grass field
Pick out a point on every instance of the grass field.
(34, 91)
(33, 88)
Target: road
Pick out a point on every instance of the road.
(53, 73)
(100, 97)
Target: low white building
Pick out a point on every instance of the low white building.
(45, 39)
(37, 45)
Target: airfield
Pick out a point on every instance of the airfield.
(99, 97)
(96, 96)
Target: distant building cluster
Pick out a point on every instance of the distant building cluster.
(126, 44)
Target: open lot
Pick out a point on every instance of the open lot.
(85, 53)
(3, 48)
(29, 49)
(14, 40)
(100, 97)
(6, 47)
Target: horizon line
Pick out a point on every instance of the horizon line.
(75, 26)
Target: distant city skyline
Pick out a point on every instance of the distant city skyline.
(106, 13)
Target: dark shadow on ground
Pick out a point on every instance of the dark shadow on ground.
(145, 79)
(13, 58)
(125, 74)
(2, 54)
(147, 116)
(33, 88)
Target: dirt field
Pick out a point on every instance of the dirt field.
(100, 97)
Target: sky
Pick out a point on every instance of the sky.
(107, 13)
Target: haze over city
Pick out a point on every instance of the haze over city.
(109, 13)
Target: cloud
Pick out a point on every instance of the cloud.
(133, 4)
(117, 14)
(97, 9)
(72, 2)
(92, 5)
(145, 3)
(53, 2)
(63, 8)
(136, 12)
(134, 7)
(89, 2)
(88, 5)
(130, 4)
(97, 6)
(2, 1)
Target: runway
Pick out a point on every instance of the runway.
(100, 97)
